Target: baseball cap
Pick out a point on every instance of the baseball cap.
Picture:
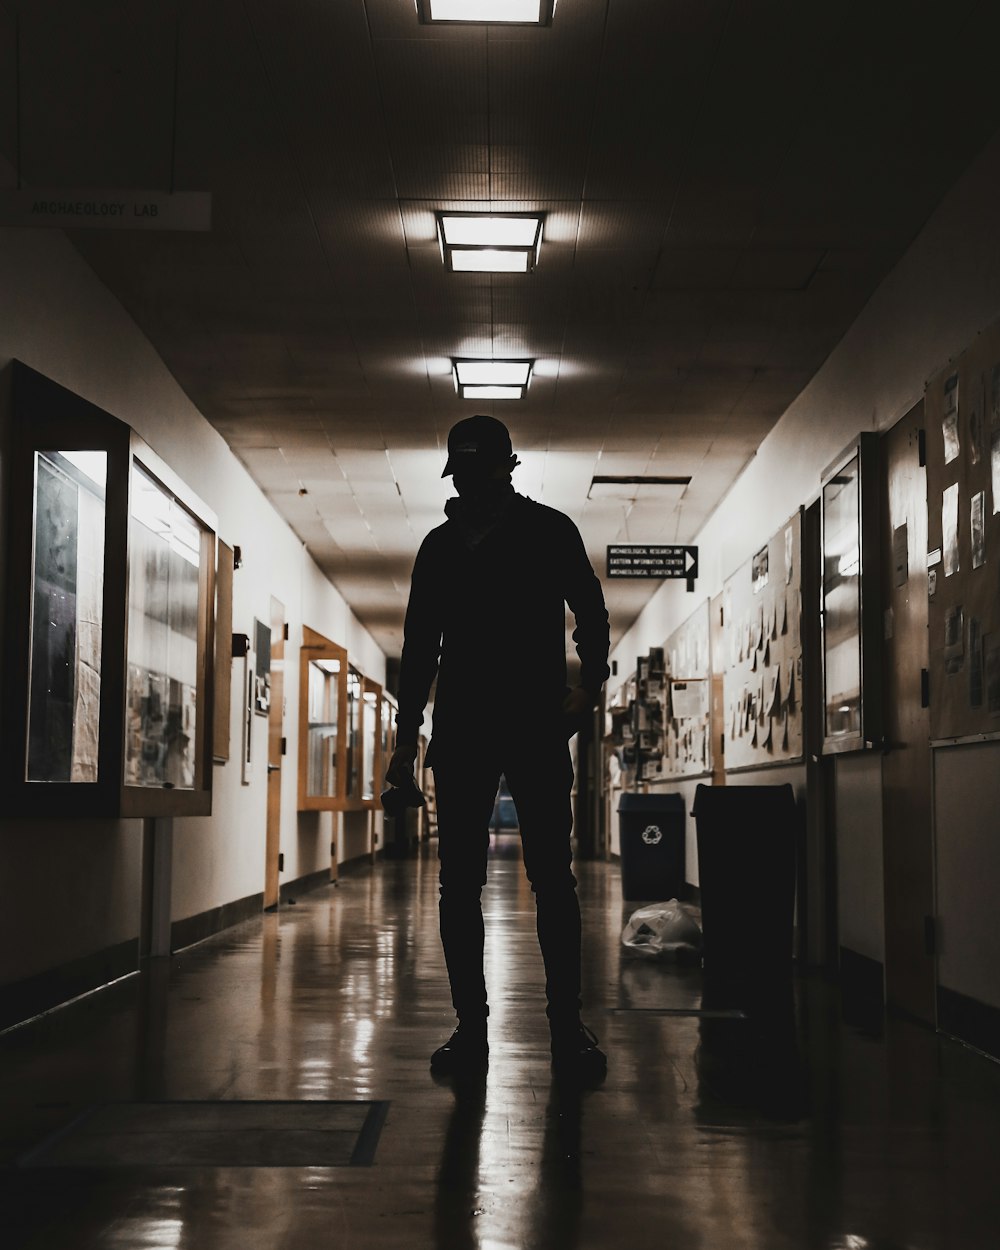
(477, 443)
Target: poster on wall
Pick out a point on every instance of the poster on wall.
(262, 686)
(688, 662)
(762, 655)
(949, 529)
(977, 529)
(949, 420)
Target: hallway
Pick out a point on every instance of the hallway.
(702, 1136)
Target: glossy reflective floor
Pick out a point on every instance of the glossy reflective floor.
(707, 1133)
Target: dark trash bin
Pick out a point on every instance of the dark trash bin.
(400, 834)
(651, 836)
(746, 869)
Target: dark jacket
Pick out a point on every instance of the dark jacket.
(490, 622)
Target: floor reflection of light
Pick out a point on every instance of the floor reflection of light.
(150, 1233)
(315, 1076)
(315, 1178)
(365, 1029)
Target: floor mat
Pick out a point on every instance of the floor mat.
(216, 1134)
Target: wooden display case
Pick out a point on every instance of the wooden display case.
(110, 612)
(340, 730)
(372, 748)
(322, 716)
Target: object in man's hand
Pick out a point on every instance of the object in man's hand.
(397, 799)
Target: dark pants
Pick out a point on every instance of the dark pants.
(540, 776)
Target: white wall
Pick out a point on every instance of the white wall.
(71, 889)
(944, 290)
(966, 807)
(860, 879)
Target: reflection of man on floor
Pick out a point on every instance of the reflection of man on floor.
(487, 617)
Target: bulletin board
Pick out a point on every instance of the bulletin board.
(762, 654)
(962, 433)
(689, 698)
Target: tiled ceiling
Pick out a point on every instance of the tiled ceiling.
(724, 183)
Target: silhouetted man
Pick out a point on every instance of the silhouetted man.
(487, 616)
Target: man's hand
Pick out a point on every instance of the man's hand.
(400, 770)
(578, 704)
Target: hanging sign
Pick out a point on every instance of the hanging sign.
(643, 560)
(71, 209)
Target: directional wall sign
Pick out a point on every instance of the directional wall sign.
(642, 560)
(73, 209)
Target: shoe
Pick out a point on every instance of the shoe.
(576, 1054)
(467, 1050)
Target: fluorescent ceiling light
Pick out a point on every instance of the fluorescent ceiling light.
(492, 379)
(519, 12)
(488, 260)
(490, 229)
(638, 488)
(489, 242)
(492, 392)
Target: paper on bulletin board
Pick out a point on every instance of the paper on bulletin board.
(949, 529)
(758, 574)
(689, 699)
(949, 420)
(995, 438)
(977, 529)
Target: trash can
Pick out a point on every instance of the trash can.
(400, 834)
(651, 836)
(746, 871)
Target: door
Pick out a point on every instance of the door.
(275, 745)
(906, 768)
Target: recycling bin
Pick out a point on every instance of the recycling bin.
(651, 829)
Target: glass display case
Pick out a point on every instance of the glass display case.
(850, 600)
(338, 729)
(340, 735)
(322, 707)
(371, 743)
(389, 710)
(109, 617)
(352, 733)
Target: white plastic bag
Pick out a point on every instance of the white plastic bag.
(667, 930)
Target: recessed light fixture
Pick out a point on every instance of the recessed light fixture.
(489, 242)
(507, 12)
(636, 488)
(491, 379)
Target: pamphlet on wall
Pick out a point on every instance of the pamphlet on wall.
(949, 529)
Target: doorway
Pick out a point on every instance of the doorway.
(275, 753)
(906, 766)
